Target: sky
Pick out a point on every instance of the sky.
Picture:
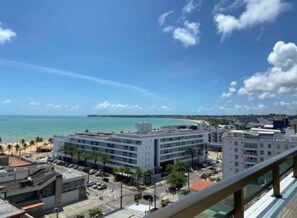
(200, 57)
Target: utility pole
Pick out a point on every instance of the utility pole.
(121, 195)
(155, 197)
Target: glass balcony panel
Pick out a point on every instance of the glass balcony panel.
(220, 209)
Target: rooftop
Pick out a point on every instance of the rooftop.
(109, 136)
(38, 178)
(9, 210)
(14, 161)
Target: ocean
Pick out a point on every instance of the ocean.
(15, 128)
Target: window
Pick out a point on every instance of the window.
(236, 164)
(235, 143)
(236, 149)
(236, 157)
(261, 152)
(261, 145)
(269, 146)
(269, 153)
(278, 146)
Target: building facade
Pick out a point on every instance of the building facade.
(145, 148)
(245, 148)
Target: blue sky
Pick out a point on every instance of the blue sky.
(148, 57)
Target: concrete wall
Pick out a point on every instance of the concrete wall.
(71, 196)
(49, 202)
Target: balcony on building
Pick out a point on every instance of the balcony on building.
(267, 189)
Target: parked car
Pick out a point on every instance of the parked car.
(99, 173)
(90, 183)
(101, 187)
(86, 169)
(148, 197)
(95, 186)
(92, 171)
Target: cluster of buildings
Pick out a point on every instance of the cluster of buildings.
(34, 188)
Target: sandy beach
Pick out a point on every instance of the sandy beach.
(29, 150)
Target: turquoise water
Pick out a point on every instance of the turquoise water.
(15, 128)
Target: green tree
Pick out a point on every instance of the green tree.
(104, 158)
(95, 156)
(78, 155)
(65, 149)
(9, 148)
(199, 154)
(176, 179)
(17, 148)
(31, 143)
(50, 140)
(192, 150)
(95, 212)
(24, 146)
(85, 156)
(1, 149)
(80, 216)
(138, 173)
(147, 176)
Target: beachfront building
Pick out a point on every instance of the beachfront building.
(245, 148)
(144, 148)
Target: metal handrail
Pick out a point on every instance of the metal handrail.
(198, 202)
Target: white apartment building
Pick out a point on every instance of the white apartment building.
(145, 148)
(245, 148)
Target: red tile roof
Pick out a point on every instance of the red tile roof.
(201, 184)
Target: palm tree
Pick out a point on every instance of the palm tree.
(192, 150)
(22, 141)
(17, 148)
(50, 140)
(72, 151)
(199, 153)
(104, 157)
(78, 155)
(9, 148)
(96, 157)
(24, 146)
(31, 143)
(37, 140)
(85, 155)
(0, 140)
(147, 175)
(138, 173)
(1, 149)
(65, 149)
(206, 147)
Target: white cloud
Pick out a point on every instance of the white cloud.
(168, 29)
(82, 77)
(188, 35)
(34, 103)
(191, 5)
(109, 106)
(231, 90)
(162, 18)
(6, 34)
(280, 79)
(227, 5)
(165, 108)
(256, 12)
(6, 101)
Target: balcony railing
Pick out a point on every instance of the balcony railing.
(235, 186)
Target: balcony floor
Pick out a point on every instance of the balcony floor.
(268, 206)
